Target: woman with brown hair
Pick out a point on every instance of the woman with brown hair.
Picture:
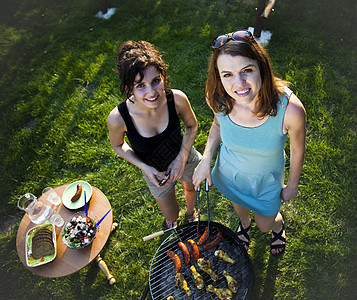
(254, 111)
(150, 118)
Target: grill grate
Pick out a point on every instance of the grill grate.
(162, 273)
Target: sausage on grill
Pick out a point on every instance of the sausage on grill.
(213, 243)
(176, 260)
(194, 249)
(185, 253)
(204, 237)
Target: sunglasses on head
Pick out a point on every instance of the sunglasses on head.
(239, 35)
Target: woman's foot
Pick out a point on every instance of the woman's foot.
(278, 241)
(170, 225)
(243, 235)
(192, 217)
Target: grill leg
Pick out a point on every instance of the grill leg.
(146, 291)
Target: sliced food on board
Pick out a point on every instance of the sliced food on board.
(41, 247)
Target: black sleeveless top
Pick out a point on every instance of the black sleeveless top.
(160, 150)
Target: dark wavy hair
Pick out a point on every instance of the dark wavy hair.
(134, 58)
(270, 90)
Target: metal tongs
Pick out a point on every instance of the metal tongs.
(208, 217)
(198, 208)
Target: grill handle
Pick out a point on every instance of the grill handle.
(156, 234)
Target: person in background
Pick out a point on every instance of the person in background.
(254, 111)
(150, 118)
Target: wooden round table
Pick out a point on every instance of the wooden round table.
(68, 260)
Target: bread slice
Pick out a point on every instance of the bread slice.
(42, 243)
(42, 249)
(40, 235)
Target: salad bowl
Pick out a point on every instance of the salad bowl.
(79, 230)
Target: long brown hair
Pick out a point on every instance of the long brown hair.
(134, 58)
(271, 87)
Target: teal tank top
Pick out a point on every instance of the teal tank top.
(249, 169)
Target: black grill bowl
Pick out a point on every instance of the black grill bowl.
(162, 273)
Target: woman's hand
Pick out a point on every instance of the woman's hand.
(288, 193)
(202, 172)
(176, 169)
(154, 175)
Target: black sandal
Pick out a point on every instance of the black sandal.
(244, 232)
(278, 236)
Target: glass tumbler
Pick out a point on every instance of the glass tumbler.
(38, 211)
(50, 194)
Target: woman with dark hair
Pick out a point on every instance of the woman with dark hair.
(150, 118)
(254, 111)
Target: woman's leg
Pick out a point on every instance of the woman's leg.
(274, 223)
(169, 207)
(244, 216)
(191, 196)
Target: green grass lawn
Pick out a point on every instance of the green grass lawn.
(57, 86)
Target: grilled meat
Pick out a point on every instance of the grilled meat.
(197, 278)
(214, 242)
(77, 194)
(194, 249)
(205, 266)
(222, 294)
(176, 260)
(220, 254)
(204, 237)
(181, 283)
(232, 283)
(185, 253)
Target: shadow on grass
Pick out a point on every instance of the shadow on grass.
(266, 266)
(268, 286)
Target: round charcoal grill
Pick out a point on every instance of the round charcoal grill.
(162, 271)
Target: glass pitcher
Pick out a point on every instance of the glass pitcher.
(37, 211)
